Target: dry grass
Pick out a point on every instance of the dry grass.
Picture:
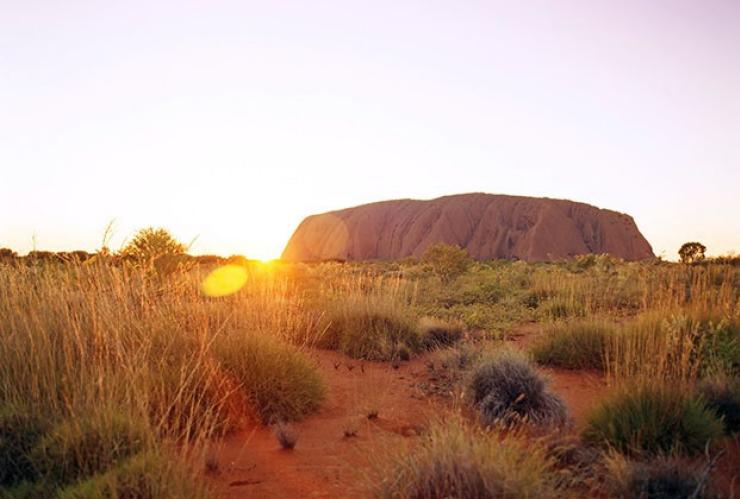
(98, 355)
(457, 460)
(126, 349)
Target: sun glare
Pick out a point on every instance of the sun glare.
(224, 281)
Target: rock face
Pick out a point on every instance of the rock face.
(486, 225)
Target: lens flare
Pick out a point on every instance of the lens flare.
(224, 281)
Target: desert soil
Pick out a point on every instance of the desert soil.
(326, 463)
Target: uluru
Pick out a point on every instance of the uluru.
(488, 226)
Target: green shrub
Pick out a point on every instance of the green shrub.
(369, 329)
(722, 395)
(653, 418)
(88, 444)
(280, 382)
(507, 388)
(453, 460)
(579, 345)
(145, 475)
(438, 334)
(721, 347)
(20, 430)
(447, 261)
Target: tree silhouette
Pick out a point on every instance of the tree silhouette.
(692, 252)
(151, 243)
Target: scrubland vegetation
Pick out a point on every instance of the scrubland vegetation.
(116, 372)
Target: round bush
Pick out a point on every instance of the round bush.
(507, 388)
(455, 461)
(653, 419)
(579, 345)
(281, 382)
(370, 330)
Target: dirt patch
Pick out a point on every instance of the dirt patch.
(383, 409)
(372, 400)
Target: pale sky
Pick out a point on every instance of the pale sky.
(231, 121)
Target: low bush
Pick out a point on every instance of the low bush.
(85, 445)
(436, 333)
(279, 381)
(507, 389)
(722, 395)
(454, 460)
(461, 358)
(371, 329)
(651, 419)
(661, 478)
(145, 475)
(579, 345)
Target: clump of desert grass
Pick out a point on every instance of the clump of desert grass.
(648, 419)
(507, 389)
(278, 380)
(661, 344)
(454, 459)
(674, 344)
(87, 445)
(369, 327)
(576, 345)
(664, 477)
(721, 393)
(436, 333)
(147, 474)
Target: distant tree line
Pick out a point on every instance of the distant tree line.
(159, 248)
(149, 247)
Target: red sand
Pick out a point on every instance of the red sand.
(325, 463)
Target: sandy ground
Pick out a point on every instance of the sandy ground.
(326, 463)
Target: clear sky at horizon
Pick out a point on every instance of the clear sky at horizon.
(231, 121)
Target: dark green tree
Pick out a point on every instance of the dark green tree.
(447, 261)
(692, 252)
